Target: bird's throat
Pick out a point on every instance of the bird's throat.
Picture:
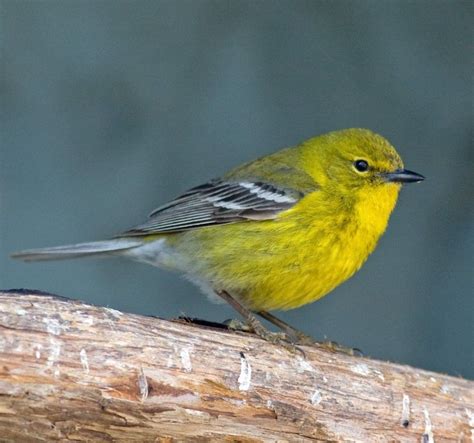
(372, 211)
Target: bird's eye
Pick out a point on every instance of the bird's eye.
(361, 165)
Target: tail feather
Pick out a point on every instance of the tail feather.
(97, 248)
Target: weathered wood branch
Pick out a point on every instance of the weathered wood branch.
(74, 372)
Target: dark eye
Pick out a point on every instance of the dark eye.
(361, 165)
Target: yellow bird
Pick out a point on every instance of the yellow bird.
(275, 233)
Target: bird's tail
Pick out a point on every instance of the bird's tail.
(97, 248)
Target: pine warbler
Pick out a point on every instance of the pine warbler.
(275, 233)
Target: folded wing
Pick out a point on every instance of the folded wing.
(217, 202)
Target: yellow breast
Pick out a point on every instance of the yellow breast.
(295, 259)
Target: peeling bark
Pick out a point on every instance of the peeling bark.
(74, 372)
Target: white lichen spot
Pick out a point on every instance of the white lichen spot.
(143, 385)
(282, 366)
(316, 398)
(245, 374)
(470, 416)
(428, 434)
(325, 379)
(88, 320)
(445, 389)
(54, 352)
(52, 326)
(38, 348)
(186, 360)
(84, 360)
(379, 374)
(361, 369)
(21, 312)
(84, 318)
(114, 312)
(405, 410)
(169, 361)
(303, 365)
(196, 413)
(235, 402)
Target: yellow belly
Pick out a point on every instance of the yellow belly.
(292, 260)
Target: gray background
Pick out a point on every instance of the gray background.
(111, 108)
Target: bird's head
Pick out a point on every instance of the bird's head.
(356, 160)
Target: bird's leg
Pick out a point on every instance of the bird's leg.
(255, 324)
(292, 333)
(300, 338)
(249, 317)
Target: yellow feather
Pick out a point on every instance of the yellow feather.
(311, 248)
(348, 182)
(291, 261)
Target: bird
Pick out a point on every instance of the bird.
(273, 234)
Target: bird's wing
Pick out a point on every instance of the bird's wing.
(216, 202)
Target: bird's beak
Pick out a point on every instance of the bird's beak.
(403, 176)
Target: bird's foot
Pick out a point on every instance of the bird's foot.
(280, 339)
(276, 338)
(237, 325)
(299, 338)
(336, 347)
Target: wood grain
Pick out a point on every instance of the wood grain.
(75, 372)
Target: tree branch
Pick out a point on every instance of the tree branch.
(74, 372)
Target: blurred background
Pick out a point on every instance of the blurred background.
(110, 108)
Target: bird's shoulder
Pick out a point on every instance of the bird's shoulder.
(283, 169)
(258, 190)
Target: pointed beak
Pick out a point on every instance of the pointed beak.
(403, 176)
